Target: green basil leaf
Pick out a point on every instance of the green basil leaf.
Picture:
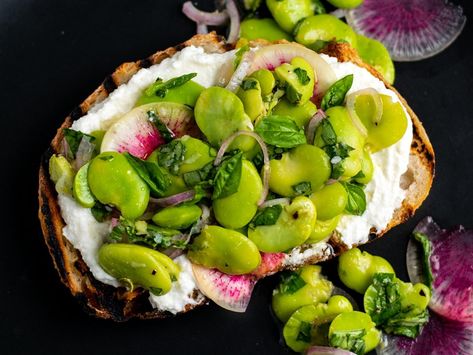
(302, 76)
(152, 174)
(156, 291)
(273, 153)
(160, 88)
(101, 212)
(337, 170)
(336, 93)
(291, 282)
(302, 188)
(73, 139)
(408, 323)
(239, 55)
(356, 204)
(387, 302)
(304, 334)
(205, 174)
(318, 7)
(351, 340)
(249, 84)
(163, 130)
(340, 149)
(267, 216)
(426, 251)
(328, 133)
(359, 175)
(228, 177)
(280, 131)
(171, 156)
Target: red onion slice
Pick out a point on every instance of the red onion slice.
(84, 153)
(264, 149)
(234, 21)
(215, 18)
(378, 103)
(313, 124)
(202, 29)
(276, 201)
(339, 13)
(325, 350)
(174, 199)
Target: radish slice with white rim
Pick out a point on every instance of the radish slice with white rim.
(411, 30)
(451, 263)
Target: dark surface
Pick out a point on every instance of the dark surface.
(53, 53)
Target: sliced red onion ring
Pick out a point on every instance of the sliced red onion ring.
(174, 199)
(339, 13)
(234, 21)
(313, 124)
(84, 153)
(276, 201)
(202, 29)
(342, 292)
(215, 18)
(264, 149)
(325, 350)
(351, 99)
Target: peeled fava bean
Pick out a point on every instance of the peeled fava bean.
(298, 78)
(177, 217)
(113, 181)
(266, 80)
(330, 201)
(61, 173)
(139, 266)
(292, 228)
(265, 28)
(288, 13)
(226, 250)
(300, 114)
(251, 97)
(323, 229)
(197, 154)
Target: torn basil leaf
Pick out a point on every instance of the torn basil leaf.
(351, 340)
(160, 87)
(171, 156)
(228, 177)
(356, 203)
(302, 76)
(336, 93)
(291, 282)
(249, 84)
(280, 131)
(267, 216)
(302, 188)
(101, 212)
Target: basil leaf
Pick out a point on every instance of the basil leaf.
(426, 251)
(302, 188)
(387, 302)
(163, 130)
(280, 131)
(152, 174)
(228, 177)
(304, 334)
(328, 134)
(101, 212)
(302, 76)
(249, 84)
(267, 216)
(408, 323)
(73, 139)
(171, 156)
(318, 7)
(341, 150)
(239, 55)
(337, 170)
(273, 153)
(359, 175)
(351, 340)
(205, 174)
(291, 282)
(356, 204)
(160, 88)
(336, 93)
(156, 291)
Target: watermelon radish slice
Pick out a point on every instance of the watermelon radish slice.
(272, 56)
(410, 29)
(449, 257)
(134, 133)
(232, 292)
(270, 263)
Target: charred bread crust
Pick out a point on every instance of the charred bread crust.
(108, 302)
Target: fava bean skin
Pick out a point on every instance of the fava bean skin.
(137, 265)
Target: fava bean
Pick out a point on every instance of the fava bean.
(61, 173)
(177, 217)
(301, 114)
(197, 155)
(323, 229)
(81, 190)
(264, 28)
(266, 80)
(288, 13)
(330, 201)
(250, 95)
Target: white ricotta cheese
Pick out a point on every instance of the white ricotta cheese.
(383, 193)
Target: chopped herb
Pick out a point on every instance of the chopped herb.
(351, 340)
(101, 212)
(273, 153)
(302, 188)
(156, 291)
(290, 282)
(73, 139)
(106, 157)
(160, 88)
(152, 174)
(163, 130)
(356, 204)
(318, 7)
(302, 76)
(304, 332)
(336, 93)
(426, 251)
(280, 131)
(239, 55)
(171, 156)
(337, 170)
(204, 175)
(337, 152)
(249, 84)
(267, 216)
(227, 178)
(328, 134)
(359, 175)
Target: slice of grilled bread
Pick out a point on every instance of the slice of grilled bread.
(105, 301)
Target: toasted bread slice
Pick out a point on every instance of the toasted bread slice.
(106, 301)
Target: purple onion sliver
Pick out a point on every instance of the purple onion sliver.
(234, 21)
(339, 13)
(84, 153)
(174, 199)
(202, 28)
(313, 124)
(276, 201)
(215, 18)
(325, 350)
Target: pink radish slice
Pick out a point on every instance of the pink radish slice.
(134, 133)
(451, 262)
(232, 292)
(440, 336)
(270, 263)
(410, 29)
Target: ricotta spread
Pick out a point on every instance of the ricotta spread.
(383, 193)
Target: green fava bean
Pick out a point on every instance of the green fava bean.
(237, 210)
(323, 27)
(197, 155)
(301, 114)
(226, 250)
(293, 227)
(323, 229)
(177, 217)
(185, 94)
(356, 269)
(305, 163)
(250, 95)
(330, 201)
(354, 331)
(113, 181)
(61, 173)
(138, 266)
(220, 113)
(265, 28)
(375, 54)
(309, 324)
(298, 78)
(266, 80)
(367, 169)
(288, 13)
(81, 190)
(346, 4)
(314, 289)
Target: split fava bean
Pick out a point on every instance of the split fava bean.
(139, 266)
(61, 173)
(323, 229)
(113, 181)
(81, 190)
(177, 217)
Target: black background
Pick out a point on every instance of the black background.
(53, 53)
